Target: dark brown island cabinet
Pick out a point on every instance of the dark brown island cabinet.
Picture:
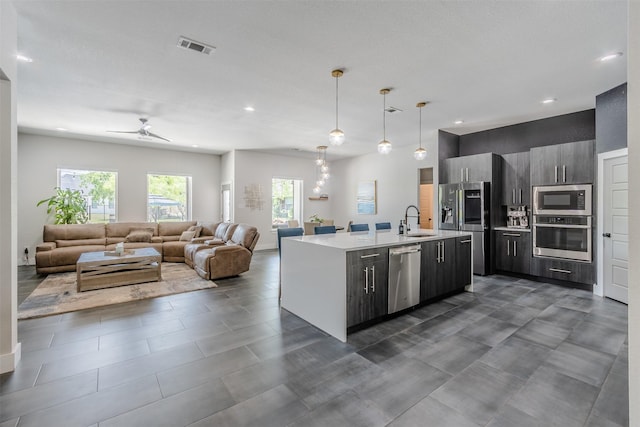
(367, 285)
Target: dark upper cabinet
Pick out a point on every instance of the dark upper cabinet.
(513, 251)
(367, 285)
(516, 180)
(478, 167)
(571, 163)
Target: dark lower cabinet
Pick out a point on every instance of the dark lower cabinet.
(571, 271)
(439, 273)
(367, 285)
(463, 262)
(513, 251)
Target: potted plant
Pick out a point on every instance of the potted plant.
(68, 206)
(316, 218)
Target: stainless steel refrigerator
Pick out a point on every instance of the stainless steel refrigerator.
(465, 207)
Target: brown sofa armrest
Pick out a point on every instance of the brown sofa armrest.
(201, 239)
(46, 246)
(228, 261)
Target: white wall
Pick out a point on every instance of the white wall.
(227, 175)
(9, 346)
(397, 178)
(39, 157)
(633, 141)
(260, 168)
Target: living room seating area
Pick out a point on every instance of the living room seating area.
(63, 244)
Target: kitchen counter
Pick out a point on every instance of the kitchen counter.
(314, 271)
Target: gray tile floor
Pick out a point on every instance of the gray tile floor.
(514, 353)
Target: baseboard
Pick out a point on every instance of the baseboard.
(9, 361)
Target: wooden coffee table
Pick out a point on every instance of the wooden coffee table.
(96, 270)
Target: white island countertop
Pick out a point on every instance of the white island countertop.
(372, 239)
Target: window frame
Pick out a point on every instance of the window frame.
(88, 198)
(188, 196)
(298, 191)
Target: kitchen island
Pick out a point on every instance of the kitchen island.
(339, 281)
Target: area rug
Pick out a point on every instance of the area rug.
(57, 292)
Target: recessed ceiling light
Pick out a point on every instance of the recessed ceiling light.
(23, 58)
(250, 109)
(458, 122)
(611, 56)
(62, 129)
(549, 101)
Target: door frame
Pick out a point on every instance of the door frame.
(598, 287)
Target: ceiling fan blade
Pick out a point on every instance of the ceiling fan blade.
(123, 131)
(157, 136)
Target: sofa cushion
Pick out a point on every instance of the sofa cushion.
(208, 228)
(53, 232)
(122, 229)
(80, 242)
(139, 236)
(186, 236)
(244, 235)
(174, 228)
(197, 229)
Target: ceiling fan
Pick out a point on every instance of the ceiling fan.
(143, 131)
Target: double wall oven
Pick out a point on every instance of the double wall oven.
(562, 226)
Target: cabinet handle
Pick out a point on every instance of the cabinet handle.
(465, 241)
(508, 246)
(521, 196)
(368, 256)
(564, 173)
(513, 196)
(442, 251)
(366, 280)
(467, 171)
(559, 270)
(373, 280)
(461, 174)
(515, 248)
(438, 252)
(511, 234)
(555, 168)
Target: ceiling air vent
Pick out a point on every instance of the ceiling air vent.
(186, 43)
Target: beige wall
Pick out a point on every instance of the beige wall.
(39, 157)
(9, 346)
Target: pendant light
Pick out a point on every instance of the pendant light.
(321, 155)
(384, 146)
(420, 153)
(336, 136)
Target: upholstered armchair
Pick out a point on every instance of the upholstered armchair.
(231, 258)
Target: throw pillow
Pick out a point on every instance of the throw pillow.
(197, 229)
(139, 236)
(187, 236)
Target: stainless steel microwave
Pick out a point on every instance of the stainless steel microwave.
(562, 200)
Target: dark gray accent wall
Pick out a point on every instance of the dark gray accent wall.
(448, 145)
(611, 119)
(571, 127)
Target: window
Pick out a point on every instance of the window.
(99, 188)
(286, 201)
(168, 198)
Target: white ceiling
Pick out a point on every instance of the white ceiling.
(100, 65)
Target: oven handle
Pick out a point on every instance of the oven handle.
(562, 226)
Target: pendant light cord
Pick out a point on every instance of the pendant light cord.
(420, 131)
(337, 102)
(384, 117)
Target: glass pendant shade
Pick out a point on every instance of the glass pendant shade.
(317, 189)
(420, 154)
(336, 137)
(384, 147)
(319, 162)
(320, 182)
(324, 168)
(325, 176)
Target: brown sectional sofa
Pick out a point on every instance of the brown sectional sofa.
(63, 244)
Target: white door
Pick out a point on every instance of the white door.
(616, 229)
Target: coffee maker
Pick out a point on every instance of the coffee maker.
(517, 217)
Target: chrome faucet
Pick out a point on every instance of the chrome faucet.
(406, 215)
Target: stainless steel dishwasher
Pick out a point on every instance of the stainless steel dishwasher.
(404, 277)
